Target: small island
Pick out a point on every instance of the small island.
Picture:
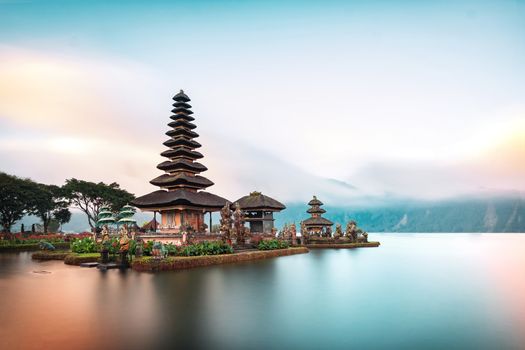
(182, 239)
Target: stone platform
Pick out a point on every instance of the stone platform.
(109, 266)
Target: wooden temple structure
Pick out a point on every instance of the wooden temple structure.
(258, 211)
(316, 225)
(181, 201)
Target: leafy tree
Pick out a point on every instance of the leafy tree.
(62, 216)
(49, 203)
(90, 197)
(15, 194)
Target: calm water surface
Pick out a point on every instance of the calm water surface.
(417, 291)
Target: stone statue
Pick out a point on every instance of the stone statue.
(274, 232)
(304, 234)
(328, 231)
(124, 243)
(293, 234)
(225, 228)
(106, 242)
(46, 245)
(338, 231)
(351, 231)
(238, 225)
(282, 232)
(124, 239)
(286, 232)
(156, 250)
(139, 248)
(103, 233)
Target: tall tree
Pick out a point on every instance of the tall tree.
(62, 216)
(49, 202)
(90, 197)
(15, 194)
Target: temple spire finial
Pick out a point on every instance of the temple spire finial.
(181, 97)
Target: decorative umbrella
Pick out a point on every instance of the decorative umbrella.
(108, 220)
(126, 215)
(127, 221)
(105, 216)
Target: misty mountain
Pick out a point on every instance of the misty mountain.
(482, 214)
(489, 214)
(78, 222)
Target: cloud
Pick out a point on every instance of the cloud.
(104, 118)
(73, 96)
(494, 163)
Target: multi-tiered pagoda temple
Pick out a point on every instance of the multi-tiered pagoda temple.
(181, 200)
(316, 224)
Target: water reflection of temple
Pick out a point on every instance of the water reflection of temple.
(181, 201)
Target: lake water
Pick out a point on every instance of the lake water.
(416, 291)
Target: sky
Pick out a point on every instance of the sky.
(354, 101)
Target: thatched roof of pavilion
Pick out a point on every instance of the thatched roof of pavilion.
(258, 201)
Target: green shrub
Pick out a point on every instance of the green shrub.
(77, 259)
(206, 248)
(84, 245)
(171, 248)
(272, 244)
(147, 249)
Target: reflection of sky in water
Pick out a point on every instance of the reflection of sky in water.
(415, 291)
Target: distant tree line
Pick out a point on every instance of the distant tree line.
(51, 203)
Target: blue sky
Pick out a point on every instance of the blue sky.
(414, 98)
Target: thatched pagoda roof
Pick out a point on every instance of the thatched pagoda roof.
(315, 201)
(181, 141)
(163, 198)
(316, 210)
(181, 97)
(181, 152)
(185, 117)
(181, 104)
(182, 110)
(153, 224)
(258, 201)
(181, 123)
(181, 164)
(318, 221)
(182, 132)
(181, 179)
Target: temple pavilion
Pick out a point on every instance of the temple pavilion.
(181, 201)
(316, 224)
(258, 211)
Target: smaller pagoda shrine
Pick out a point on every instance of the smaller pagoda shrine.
(316, 225)
(258, 211)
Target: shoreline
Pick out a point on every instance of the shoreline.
(174, 263)
(32, 247)
(343, 245)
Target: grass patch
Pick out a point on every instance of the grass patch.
(77, 259)
(50, 255)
